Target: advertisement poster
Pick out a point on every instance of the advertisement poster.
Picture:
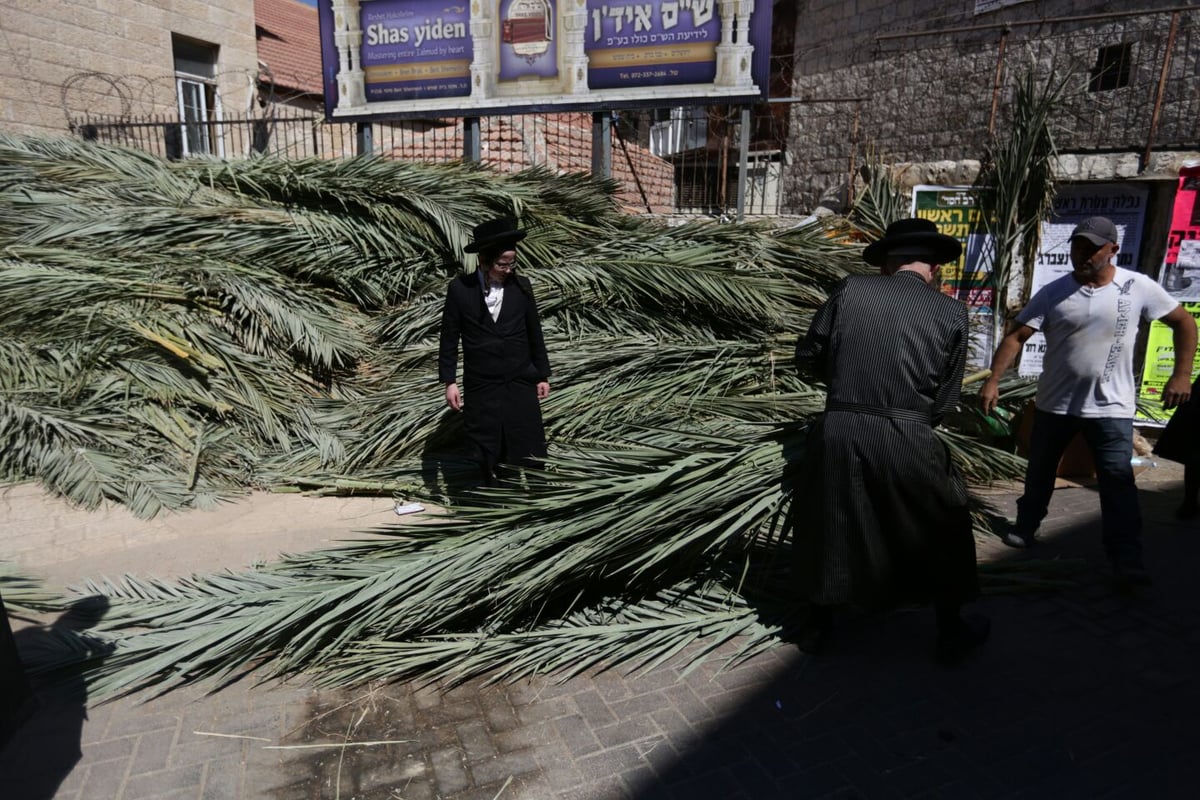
(421, 58)
(1181, 265)
(659, 43)
(527, 39)
(1124, 204)
(955, 210)
(1160, 362)
(1180, 276)
(407, 56)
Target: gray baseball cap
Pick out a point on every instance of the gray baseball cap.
(1097, 230)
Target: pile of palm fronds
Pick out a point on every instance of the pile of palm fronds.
(178, 332)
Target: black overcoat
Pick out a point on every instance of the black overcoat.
(503, 361)
(1180, 440)
(882, 514)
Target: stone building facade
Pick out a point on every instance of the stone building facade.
(65, 60)
(927, 82)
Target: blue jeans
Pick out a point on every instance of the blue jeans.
(1111, 443)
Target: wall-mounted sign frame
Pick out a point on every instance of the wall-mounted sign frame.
(427, 58)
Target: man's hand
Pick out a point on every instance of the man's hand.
(543, 390)
(1177, 391)
(453, 398)
(989, 395)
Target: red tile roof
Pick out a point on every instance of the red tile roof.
(561, 142)
(289, 43)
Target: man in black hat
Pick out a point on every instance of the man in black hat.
(506, 371)
(1090, 319)
(16, 696)
(884, 511)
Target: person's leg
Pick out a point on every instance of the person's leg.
(16, 696)
(1190, 507)
(958, 635)
(1051, 435)
(1111, 442)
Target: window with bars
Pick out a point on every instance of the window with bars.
(196, 95)
(1113, 65)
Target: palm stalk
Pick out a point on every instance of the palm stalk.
(1016, 184)
(179, 333)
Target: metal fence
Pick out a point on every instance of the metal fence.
(684, 163)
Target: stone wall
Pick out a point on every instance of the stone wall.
(915, 81)
(65, 59)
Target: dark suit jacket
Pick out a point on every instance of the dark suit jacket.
(510, 348)
(503, 360)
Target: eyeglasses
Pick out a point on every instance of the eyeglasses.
(505, 264)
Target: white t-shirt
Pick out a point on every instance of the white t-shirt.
(1090, 335)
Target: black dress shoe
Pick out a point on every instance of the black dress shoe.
(1129, 578)
(955, 645)
(817, 630)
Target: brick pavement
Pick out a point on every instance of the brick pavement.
(1080, 693)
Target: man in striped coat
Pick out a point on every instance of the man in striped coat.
(882, 515)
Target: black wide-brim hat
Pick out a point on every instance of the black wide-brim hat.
(494, 233)
(912, 237)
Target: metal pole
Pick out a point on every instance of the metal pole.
(602, 144)
(363, 139)
(743, 163)
(1037, 21)
(1162, 86)
(472, 147)
(632, 169)
(996, 83)
(850, 170)
(723, 165)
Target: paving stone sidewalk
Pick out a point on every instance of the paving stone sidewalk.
(1083, 692)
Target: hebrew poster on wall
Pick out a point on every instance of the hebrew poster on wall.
(955, 210)
(1180, 276)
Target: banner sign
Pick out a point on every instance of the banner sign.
(405, 57)
(1124, 204)
(397, 58)
(1180, 276)
(955, 210)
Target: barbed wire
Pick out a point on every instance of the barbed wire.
(137, 95)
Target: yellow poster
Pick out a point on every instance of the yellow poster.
(1160, 361)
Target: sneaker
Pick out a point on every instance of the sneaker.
(1130, 577)
(1016, 538)
(954, 647)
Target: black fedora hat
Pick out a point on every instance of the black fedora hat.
(493, 233)
(913, 237)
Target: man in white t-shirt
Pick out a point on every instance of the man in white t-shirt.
(1090, 320)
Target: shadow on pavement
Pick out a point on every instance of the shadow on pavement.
(1081, 692)
(45, 747)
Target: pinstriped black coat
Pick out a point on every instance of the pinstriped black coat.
(881, 512)
(503, 361)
